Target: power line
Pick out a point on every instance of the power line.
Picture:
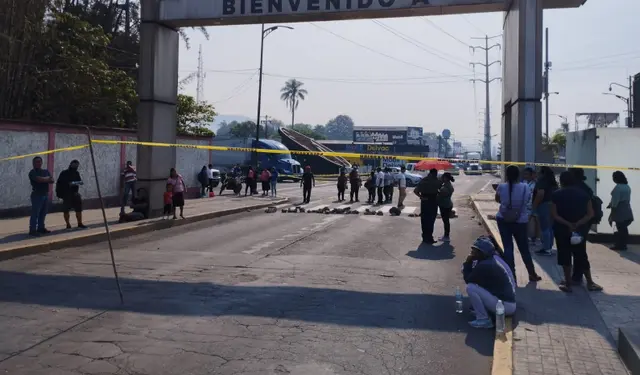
(240, 89)
(605, 57)
(472, 24)
(426, 20)
(381, 53)
(419, 44)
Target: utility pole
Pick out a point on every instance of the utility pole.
(200, 78)
(266, 125)
(486, 146)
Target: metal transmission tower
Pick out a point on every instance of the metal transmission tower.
(486, 144)
(200, 75)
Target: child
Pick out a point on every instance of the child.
(168, 200)
(342, 186)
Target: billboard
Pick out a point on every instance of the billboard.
(414, 135)
(401, 135)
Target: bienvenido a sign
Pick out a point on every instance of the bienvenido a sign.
(185, 12)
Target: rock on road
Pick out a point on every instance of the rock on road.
(253, 293)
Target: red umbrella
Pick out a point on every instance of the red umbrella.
(441, 165)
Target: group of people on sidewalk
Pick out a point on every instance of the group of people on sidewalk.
(562, 214)
(67, 189)
(571, 208)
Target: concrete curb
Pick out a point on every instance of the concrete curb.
(126, 230)
(503, 344)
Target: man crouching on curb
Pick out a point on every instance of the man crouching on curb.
(488, 279)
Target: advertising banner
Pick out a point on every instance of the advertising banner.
(392, 136)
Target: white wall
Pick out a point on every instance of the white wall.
(618, 147)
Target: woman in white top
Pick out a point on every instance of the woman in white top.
(513, 219)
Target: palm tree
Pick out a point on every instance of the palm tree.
(291, 93)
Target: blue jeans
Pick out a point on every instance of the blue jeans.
(273, 188)
(517, 232)
(39, 206)
(129, 187)
(546, 225)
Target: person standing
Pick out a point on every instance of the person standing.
(307, 181)
(388, 185)
(210, 177)
(621, 212)
(529, 177)
(370, 185)
(354, 180)
(579, 183)
(203, 178)
(40, 180)
(251, 177)
(572, 211)
(427, 190)
(178, 190)
(513, 219)
(274, 182)
(446, 204)
(402, 186)
(167, 200)
(130, 177)
(342, 186)
(265, 178)
(68, 189)
(545, 186)
(380, 185)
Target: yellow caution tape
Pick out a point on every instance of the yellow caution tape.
(72, 148)
(322, 153)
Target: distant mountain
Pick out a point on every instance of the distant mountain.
(225, 118)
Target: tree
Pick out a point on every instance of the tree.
(77, 85)
(307, 130)
(72, 61)
(291, 93)
(320, 130)
(246, 129)
(340, 127)
(192, 115)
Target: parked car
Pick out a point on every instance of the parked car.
(474, 169)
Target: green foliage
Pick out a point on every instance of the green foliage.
(76, 61)
(292, 93)
(192, 115)
(340, 127)
(307, 130)
(245, 129)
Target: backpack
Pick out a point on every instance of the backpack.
(511, 214)
(598, 214)
(61, 189)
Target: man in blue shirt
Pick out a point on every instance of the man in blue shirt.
(40, 180)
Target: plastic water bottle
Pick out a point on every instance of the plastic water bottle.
(458, 300)
(500, 317)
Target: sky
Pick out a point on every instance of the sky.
(413, 71)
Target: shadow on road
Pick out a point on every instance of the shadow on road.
(441, 251)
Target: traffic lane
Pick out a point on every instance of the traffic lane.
(373, 304)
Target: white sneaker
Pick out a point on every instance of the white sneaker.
(444, 239)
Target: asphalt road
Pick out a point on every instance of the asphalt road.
(254, 293)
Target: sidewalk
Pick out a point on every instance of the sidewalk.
(562, 334)
(14, 240)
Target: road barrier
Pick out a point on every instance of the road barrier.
(322, 153)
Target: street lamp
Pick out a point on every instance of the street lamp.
(565, 120)
(265, 33)
(546, 103)
(626, 100)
